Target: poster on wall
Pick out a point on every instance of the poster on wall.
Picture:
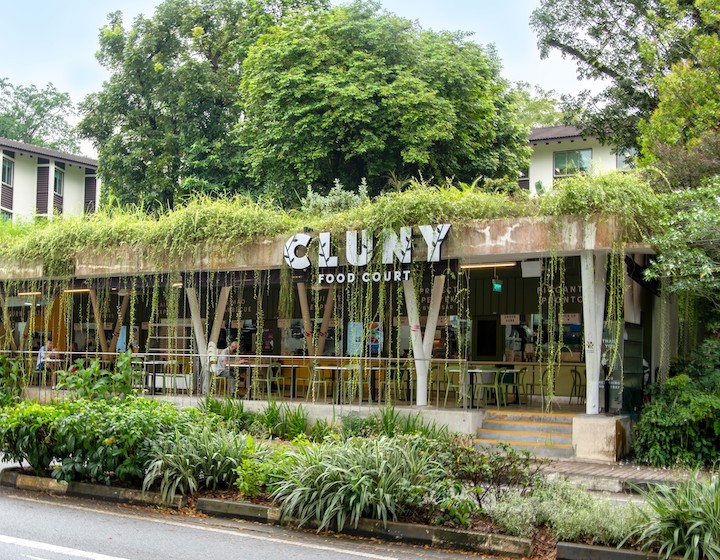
(355, 338)
(375, 339)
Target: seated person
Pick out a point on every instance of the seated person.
(222, 369)
(44, 353)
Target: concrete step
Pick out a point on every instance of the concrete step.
(537, 449)
(544, 427)
(531, 416)
(545, 438)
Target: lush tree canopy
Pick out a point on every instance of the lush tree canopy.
(162, 121)
(631, 44)
(688, 242)
(356, 93)
(37, 116)
(538, 107)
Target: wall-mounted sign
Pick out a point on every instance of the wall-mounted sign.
(359, 250)
(510, 319)
(571, 318)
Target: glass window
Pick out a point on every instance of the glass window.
(625, 160)
(5, 216)
(59, 184)
(571, 162)
(8, 170)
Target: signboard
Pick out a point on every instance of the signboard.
(510, 319)
(571, 318)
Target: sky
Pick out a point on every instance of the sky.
(48, 41)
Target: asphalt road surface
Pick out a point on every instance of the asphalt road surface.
(38, 526)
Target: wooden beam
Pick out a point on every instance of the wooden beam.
(202, 347)
(7, 323)
(305, 312)
(118, 324)
(99, 324)
(219, 314)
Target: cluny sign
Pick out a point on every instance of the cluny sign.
(359, 251)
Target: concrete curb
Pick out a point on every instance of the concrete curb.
(440, 537)
(572, 551)
(13, 478)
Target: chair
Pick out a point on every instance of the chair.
(541, 387)
(451, 374)
(272, 375)
(578, 386)
(315, 381)
(355, 378)
(493, 385)
(514, 381)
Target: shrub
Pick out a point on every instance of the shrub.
(94, 382)
(232, 411)
(11, 380)
(97, 441)
(571, 513)
(492, 472)
(335, 484)
(680, 426)
(260, 470)
(683, 520)
(205, 456)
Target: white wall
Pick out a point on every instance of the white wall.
(25, 188)
(541, 162)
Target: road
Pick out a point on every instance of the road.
(37, 526)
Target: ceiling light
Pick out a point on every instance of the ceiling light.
(473, 266)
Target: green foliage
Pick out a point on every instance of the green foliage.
(627, 197)
(629, 43)
(97, 441)
(537, 107)
(282, 421)
(570, 512)
(337, 200)
(218, 227)
(261, 470)
(681, 425)
(202, 456)
(491, 473)
(686, 239)
(682, 521)
(322, 430)
(11, 380)
(337, 484)
(37, 116)
(162, 121)
(355, 92)
(94, 382)
(232, 411)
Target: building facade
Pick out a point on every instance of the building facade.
(562, 151)
(38, 181)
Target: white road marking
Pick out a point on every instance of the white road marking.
(238, 532)
(57, 549)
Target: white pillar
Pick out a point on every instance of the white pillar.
(200, 340)
(422, 346)
(593, 271)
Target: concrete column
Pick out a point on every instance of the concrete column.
(593, 272)
(422, 346)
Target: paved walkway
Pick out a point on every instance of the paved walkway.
(614, 477)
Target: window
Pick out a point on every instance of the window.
(5, 216)
(8, 171)
(625, 160)
(571, 162)
(59, 183)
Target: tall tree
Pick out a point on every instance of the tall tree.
(682, 136)
(538, 107)
(37, 116)
(628, 43)
(356, 93)
(162, 121)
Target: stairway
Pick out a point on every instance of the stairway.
(544, 435)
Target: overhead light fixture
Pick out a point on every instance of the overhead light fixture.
(29, 294)
(77, 290)
(177, 284)
(497, 285)
(473, 266)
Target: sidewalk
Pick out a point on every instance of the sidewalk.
(614, 477)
